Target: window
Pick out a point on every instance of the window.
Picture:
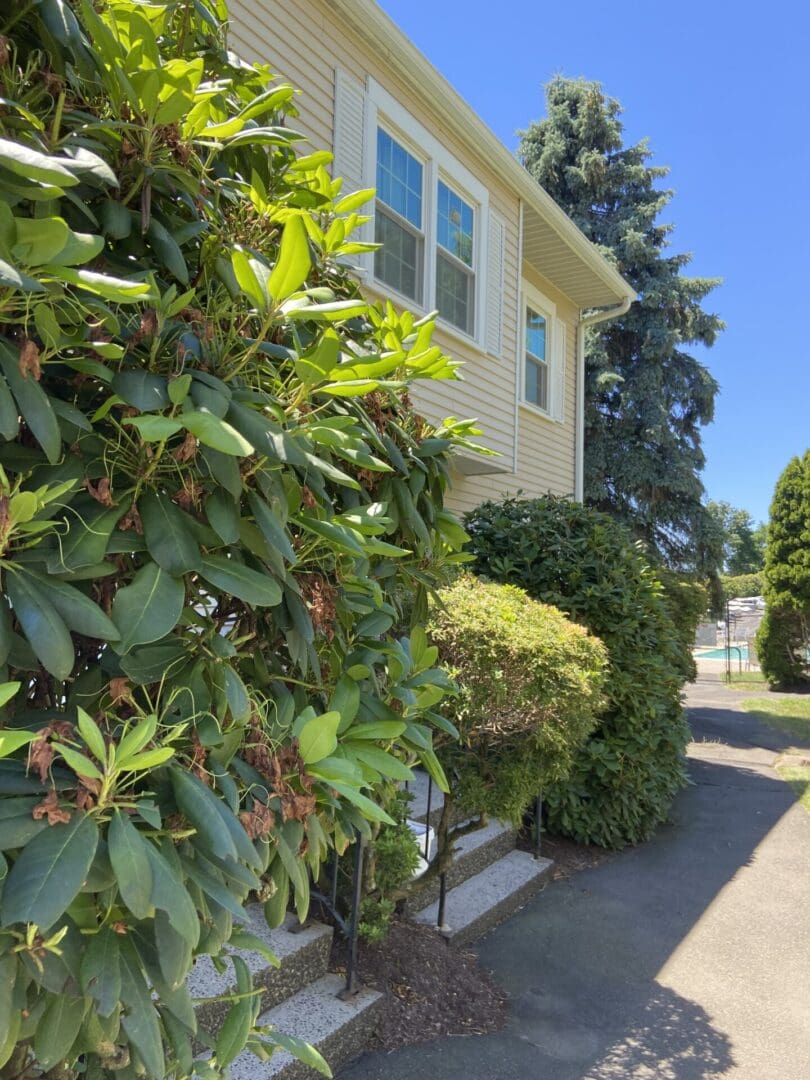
(536, 364)
(542, 380)
(455, 254)
(398, 218)
(431, 214)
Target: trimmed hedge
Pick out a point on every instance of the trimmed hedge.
(742, 585)
(582, 561)
(530, 688)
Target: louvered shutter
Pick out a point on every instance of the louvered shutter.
(349, 138)
(558, 371)
(496, 242)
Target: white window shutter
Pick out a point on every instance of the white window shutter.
(558, 371)
(496, 257)
(349, 148)
(349, 131)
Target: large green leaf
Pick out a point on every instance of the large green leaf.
(144, 390)
(78, 611)
(42, 625)
(212, 431)
(30, 163)
(197, 802)
(57, 1029)
(140, 1019)
(293, 262)
(300, 1050)
(34, 405)
(236, 579)
(149, 608)
(100, 973)
(87, 539)
(317, 739)
(168, 538)
(130, 861)
(170, 895)
(49, 872)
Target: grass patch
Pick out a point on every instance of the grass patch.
(798, 776)
(748, 678)
(791, 715)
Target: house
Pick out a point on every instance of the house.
(465, 230)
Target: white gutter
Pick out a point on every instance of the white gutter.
(584, 322)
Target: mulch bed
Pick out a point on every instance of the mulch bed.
(568, 856)
(430, 989)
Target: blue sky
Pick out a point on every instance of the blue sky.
(721, 91)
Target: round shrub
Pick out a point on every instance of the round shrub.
(738, 585)
(530, 683)
(563, 553)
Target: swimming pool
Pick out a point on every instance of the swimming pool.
(737, 652)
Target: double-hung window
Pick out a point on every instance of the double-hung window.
(455, 259)
(542, 381)
(431, 216)
(399, 224)
(536, 364)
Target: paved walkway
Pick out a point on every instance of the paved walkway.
(683, 959)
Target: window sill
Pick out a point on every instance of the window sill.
(385, 292)
(535, 410)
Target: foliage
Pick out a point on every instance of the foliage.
(646, 397)
(742, 585)
(393, 859)
(782, 643)
(529, 681)
(213, 491)
(783, 638)
(743, 541)
(585, 563)
(686, 601)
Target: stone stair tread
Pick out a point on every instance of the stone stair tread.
(486, 898)
(302, 951)
(338, 1029)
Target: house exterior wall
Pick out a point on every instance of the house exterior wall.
(307, 45)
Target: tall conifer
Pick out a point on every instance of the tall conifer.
(646, 397)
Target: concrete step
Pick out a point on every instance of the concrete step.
(473, 853)
(418, 788)
(489, 897)
(339, 1029)
(303, 953)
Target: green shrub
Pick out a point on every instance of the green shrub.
(530, 682)
(686, 601)
(742, 585)
(783, 638)
(562, 553)
(212, 493)
(391, 862)
(782, 642)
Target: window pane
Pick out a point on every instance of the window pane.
(455, 293)
(536, 389)
(398, 262)
(455, 224)
(535, 334)
(399, 179)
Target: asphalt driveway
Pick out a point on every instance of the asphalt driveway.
(683, 959)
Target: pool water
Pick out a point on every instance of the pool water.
(720, 654)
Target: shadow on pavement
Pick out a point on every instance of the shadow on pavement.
(581, 961)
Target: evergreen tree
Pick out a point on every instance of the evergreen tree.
(784, 636)
(646, 397)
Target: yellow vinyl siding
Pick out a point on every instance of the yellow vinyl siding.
(305, 44)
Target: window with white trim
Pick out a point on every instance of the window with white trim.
(455, 259)
(543, 356)
(398, 218)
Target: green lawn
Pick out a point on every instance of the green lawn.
(791, 715)
(748, 678)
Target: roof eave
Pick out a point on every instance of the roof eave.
(370, 22)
